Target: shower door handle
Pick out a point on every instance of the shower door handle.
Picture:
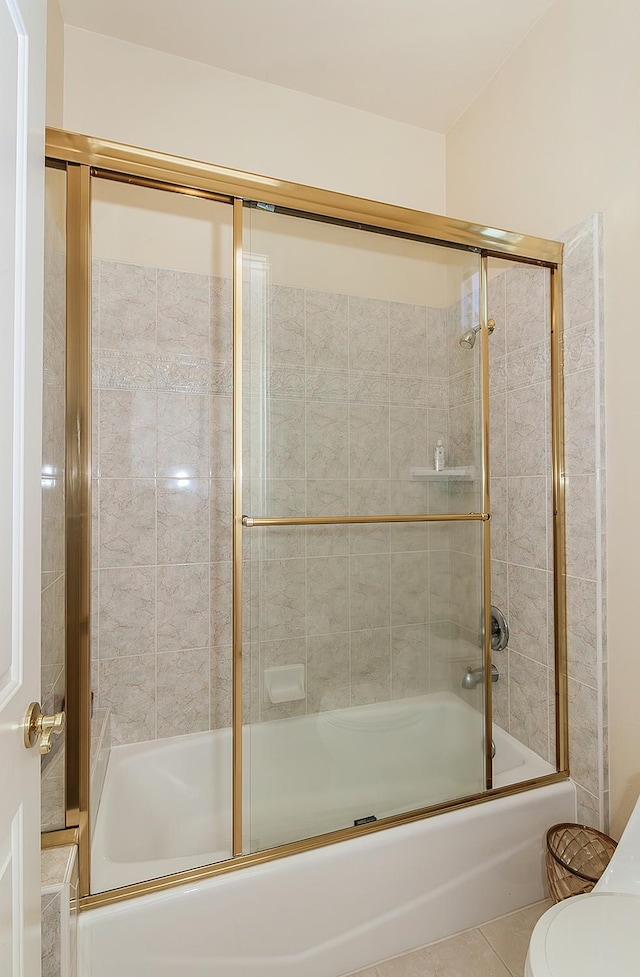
(40, 727)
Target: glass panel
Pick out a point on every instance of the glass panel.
(521, 525)
(53, 476)
(161, 646)
(358, 637)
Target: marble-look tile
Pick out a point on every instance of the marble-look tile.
(368, 441)
(369, 497)
(221, 516)
(527, 365)
(528, 703)
(327, 454)
(527, 521)
(51, 935)
(370, 666)
(439, 585)
(463, 446)
(128, 689)
(327, 324)
(437, 393)
(499, 570)
(463, 388)
(191, 375)
(419, 392)
(221, 685)
(220, 424)
(580, 423)
(286, 439)
(411, 498)
(328, 672)
(125, 370)
(579, 275)
(127, 522)
(497, 373)
(527, 613)
(526, 305)
(510, 935)
(407, 339)
(282, 599)
(499, 524)
(291, 381)
(500, 691)
(588, 809)
(220, 304)
(407, 440)
(291, 651)
(183, 312)
(183, 520)
(327, 594)
(498, 434)
(286, 334)
(580, 496)
(583, 736)
(183, 435)
(409, 661)
(127, 434)
(326, 385)
(370, 591)
(327, 497)
(281, 497)
(221, 603)
(581, 630)
(409, 588)
(369, 388)
(368, 335)
(437, 347)
(127, 306)
(127, 612)
(183, 607)
(527, 437)
(53, 623)
(460, 956)
(183, 692)
(578, 349)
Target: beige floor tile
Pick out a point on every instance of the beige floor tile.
(461, 956)
(510, 935)
(372, 972)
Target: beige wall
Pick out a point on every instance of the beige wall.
(55, 64)
(554, 137)
(136, 95)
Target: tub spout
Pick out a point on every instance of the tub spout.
(475, 676)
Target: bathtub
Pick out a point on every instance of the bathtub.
(322, 913)
(166, 804)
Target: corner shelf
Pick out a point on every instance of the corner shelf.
(465, 474)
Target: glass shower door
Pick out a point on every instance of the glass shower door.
(362, 617)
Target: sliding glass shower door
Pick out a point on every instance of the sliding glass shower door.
(362, 613)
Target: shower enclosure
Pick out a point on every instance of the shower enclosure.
(278, 608)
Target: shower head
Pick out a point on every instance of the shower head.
(468, 339)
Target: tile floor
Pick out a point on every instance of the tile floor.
(497, 949)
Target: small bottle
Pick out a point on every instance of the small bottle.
(438, 456)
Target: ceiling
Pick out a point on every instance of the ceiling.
(417, 61)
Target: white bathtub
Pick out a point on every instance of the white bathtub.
(327, 912)
(166, 804)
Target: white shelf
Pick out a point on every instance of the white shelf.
(465, 474)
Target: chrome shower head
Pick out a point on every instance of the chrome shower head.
(468, 339)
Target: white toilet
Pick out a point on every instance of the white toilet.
(598, 933)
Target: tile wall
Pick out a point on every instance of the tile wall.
(357, 394)
(53, 513)
(161, 491)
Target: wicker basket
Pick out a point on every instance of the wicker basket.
(576, 858)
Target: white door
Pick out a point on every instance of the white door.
(22, 73)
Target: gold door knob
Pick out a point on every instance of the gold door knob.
(43, 728)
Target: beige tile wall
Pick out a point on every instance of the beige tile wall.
(53, 514)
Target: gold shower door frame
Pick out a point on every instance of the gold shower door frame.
(85, 157)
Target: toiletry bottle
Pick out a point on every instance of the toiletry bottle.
(438, 456)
